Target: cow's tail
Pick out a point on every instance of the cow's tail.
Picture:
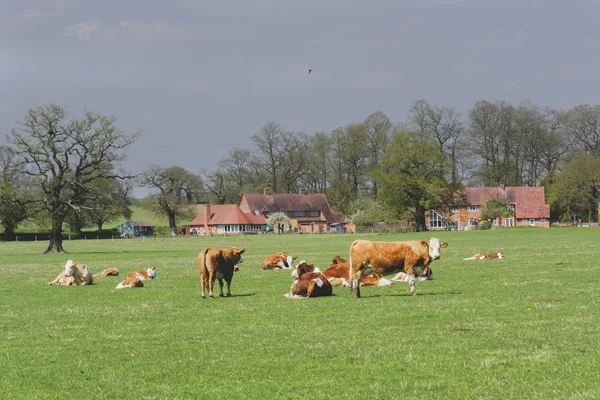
(470, 258)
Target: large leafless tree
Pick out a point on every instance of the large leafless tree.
(66, 156)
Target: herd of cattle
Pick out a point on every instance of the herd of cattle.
(368, 262)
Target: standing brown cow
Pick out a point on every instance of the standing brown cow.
(218, 264)
(386, 257)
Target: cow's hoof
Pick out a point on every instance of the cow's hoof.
(228, 294)
(203, 296)
(221, 295)
(413, 294)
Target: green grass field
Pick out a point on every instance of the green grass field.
(527, 327)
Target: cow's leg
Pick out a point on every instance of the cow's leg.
(310, 289)
(211, 283)
(221, 287)
(203, 283)
(228, 281)
(355, 282)
(411, 280)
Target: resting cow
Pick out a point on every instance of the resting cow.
(108, 272)
(218, 264)
(134, 279)
(75, 274)
(278, 261)
(338, 273)
(309, 282)
(497, 255)
(478, 256)
(412, 257)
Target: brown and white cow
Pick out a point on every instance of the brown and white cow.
(134, 279)
(497, 255)
(478, 256)
(412, 257)
(309, 282)
(338, 273)
(75, 274)
(218, 264)
(278, 261)
(112, 271)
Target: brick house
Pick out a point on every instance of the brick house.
(310, 213)
(225, 219)
(528, 203)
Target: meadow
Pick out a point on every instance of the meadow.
(527, 327)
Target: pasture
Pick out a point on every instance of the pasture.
(527, 327)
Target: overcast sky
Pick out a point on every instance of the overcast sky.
(198, 78)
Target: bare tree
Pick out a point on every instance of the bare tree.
(379, 131)
(66, 156)
(271, 151)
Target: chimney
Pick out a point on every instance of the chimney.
(266, 191)
(302, 191)
(207, 215)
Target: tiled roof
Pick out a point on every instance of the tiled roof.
(142, 223)
(529, 202)
(228, 214)
(291, 202)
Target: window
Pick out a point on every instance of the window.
(532, 222)
(256, 212)
(524, 221)
(543, 220)
(435, 220)
(510, 207)
(454, 209)
(472, 208)
(298, 213)
(510, 222)
(314, 213)
(255, 227)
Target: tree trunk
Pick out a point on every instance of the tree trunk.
(9, 232)
(100, 225)
(172, 222)
(420, 220)
(55, 245)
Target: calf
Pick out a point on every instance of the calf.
(278, 261)
(134, 279)
(309, 282)
(497, 255)
(478, 256)
(218, 264)
(412, 257)
(74, 274)
(338, 273)
(108, 272)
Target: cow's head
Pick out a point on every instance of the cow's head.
(151, 273)
(289, 260)
(434, 248)
(304, 268)
(337, 260)
(70, 268)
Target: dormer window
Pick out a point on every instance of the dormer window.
(472, 208)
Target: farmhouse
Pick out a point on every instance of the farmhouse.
(226, 218)
(135, 229)
(527, 203)
(310, 213)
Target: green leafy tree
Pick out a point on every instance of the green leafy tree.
(576, 189)
(496, 208)
(412, 172)
(178, 190)
(17, 194)
(65, 157)
(366, 212)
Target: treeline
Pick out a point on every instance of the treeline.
(495, 143)
(60, 171)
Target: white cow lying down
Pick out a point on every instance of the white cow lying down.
(75, 274)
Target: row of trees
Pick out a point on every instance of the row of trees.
(69, 170)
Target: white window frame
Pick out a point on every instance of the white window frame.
(543, 220)
(454, 209)
(435, 220)
(298, 213)
(510, 222)
(524, 221)
(510, 207)
(315, 213)
(531, 222)
(472, 208)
